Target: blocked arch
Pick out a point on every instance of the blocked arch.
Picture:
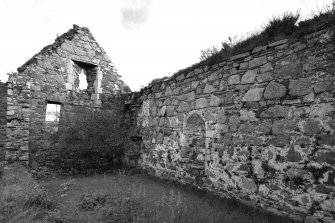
(194, 125)
(191, 116)
(195, 130)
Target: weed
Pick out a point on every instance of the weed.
(280, 158)
(158, 80)
(298, 180)
(281, 26)
(40, 199)
(65, 187)
(315, 206)
(317, 171)
(208, 53)
(268, 169)
(90, 200)
(53, 217)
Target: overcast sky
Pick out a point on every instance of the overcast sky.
(145, 39)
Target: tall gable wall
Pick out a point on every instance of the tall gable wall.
(259, 127)
(52, 76)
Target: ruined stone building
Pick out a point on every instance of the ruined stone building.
(258, 127)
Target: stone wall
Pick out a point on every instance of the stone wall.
(3, 107)
(259, 127)
(52, 76)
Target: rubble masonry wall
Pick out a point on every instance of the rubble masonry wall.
(258, 127)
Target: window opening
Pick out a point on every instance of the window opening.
(84, 75)
(82, 80)
(52, 117)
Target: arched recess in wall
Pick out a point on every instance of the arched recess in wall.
(194, 130)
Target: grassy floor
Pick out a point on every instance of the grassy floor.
(114, 198)
(140, 198)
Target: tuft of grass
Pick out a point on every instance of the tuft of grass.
(281, 26)
(158, 80)
(90, 200)
(321, 19)
(317, 172)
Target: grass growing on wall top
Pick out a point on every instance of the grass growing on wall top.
(278, 27)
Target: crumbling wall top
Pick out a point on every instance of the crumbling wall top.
(49, 49)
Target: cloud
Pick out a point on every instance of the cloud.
(135, 13)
